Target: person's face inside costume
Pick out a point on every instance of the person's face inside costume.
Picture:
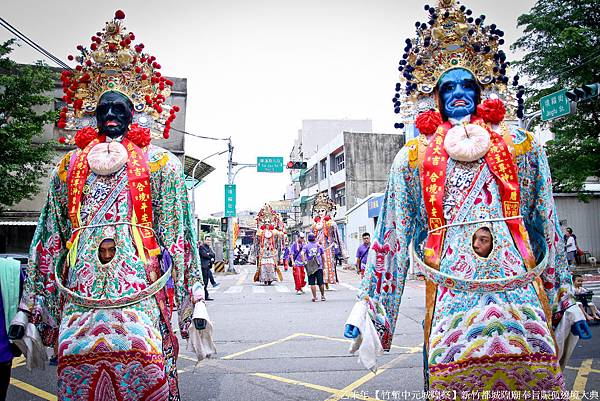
(458, 93)
(107, 250)
(483, 242)
(366, 239)
(322, 212)
(114, 114)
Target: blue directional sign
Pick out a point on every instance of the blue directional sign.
(555, 105)
(267, 164)
(229, 200)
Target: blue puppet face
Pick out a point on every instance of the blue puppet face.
(458, 93)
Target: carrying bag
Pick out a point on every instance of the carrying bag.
(312, 266)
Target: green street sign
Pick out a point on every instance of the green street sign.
(555, 105)
(229, 200)
(266, 164)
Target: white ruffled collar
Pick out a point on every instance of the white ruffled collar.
(456, 121)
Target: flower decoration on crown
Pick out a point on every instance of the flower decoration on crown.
(452, 38)
(114, 63)
(268, 217)
(322, 201)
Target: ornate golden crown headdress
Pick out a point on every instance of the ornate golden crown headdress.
(451, 39)
(113, 63)
(322, 201)
(268, 215)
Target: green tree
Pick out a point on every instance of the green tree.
(22, 162)
(562, 44)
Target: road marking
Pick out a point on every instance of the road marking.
(411, 350)
(349, 390)
(33, 390)
(258, 290)
(326, 389)
(282, 288)
(591, 370)
(582, 376)
(234, 289)
(235, 355)
(18, 361)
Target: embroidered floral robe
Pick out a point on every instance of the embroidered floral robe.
(267, 248)
(476, 341)
(122, 353)
(328, 236)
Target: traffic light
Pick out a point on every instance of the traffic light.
(293, 165)
(583, 93)
(224, 224)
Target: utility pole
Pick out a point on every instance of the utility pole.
(230, 178)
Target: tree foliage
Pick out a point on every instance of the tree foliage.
(22, 101)
(562, 44)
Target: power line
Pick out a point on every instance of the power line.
(31, 43)
(591, 57)
(200, 136)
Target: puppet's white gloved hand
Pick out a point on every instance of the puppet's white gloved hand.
(31, 343)
(200, 341)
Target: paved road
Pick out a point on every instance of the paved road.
(276, 345)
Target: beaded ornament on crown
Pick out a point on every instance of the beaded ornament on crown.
(112, 62)
(453, 37)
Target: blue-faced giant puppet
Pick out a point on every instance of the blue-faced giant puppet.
(469, 200)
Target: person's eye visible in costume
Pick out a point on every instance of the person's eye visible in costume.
(483, 242)
(107, 250)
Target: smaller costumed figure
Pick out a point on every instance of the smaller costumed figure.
(327, 235)
(267, 246)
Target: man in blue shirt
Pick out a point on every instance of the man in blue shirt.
(362, 253)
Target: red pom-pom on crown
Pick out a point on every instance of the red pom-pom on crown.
(119, 14)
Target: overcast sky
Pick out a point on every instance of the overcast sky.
(256, 69)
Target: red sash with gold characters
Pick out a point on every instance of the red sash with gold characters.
(76, 178)
(503, 167)
(138, 175)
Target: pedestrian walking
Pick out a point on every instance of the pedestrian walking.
(312, 256)
(295, 260)
(207, 258)
(361, 254)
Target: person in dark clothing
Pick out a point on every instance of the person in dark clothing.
(11, 287)
(207, 258)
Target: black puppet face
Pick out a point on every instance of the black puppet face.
(114, 114)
